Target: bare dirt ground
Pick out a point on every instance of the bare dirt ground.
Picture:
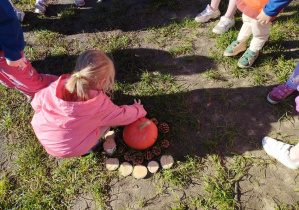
(263, 187)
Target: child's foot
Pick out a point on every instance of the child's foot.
(207, 14)
(279, 93)
(247, 59)
(234, 48)
(41, 7)
(20, 14)
(80, 3)
(280, 151)
(224, 25)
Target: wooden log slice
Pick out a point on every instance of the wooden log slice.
(125, 169)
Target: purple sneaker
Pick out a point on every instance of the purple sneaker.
(279, 93)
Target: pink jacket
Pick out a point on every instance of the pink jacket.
(69, 129)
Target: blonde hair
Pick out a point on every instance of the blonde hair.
(93, 71)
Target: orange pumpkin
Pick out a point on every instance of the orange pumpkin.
(140, 134)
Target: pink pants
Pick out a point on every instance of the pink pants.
(26, 80)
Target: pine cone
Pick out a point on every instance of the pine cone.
(164, 128)
(165, 143)
(138, 159)
(155, 121)
(156, 151)
(121, 149)
(149, 155)
(128, 156)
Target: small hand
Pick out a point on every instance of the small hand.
(263, 18)
(137, 102)
(17, 63)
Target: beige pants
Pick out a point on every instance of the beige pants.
(259, 31)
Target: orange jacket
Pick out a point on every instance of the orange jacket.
(257, 5)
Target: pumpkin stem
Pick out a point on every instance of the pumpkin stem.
(142, 125)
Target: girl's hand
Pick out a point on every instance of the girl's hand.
(137, 102)
(263, 18)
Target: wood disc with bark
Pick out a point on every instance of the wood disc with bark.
(112, 164)
(153, 166)
(109, 146)
(139, 171)
(166, 161)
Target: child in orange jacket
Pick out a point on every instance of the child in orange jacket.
(257, 15)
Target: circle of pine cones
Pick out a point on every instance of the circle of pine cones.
(155, 121)
(163, 128)
(128, 156)
(138, 159)
(165, 143)
(149, 155)
(156, 150)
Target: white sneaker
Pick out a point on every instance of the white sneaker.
(224, 25)
(207, 14)
(41, 7)
(280, 151)
(80, 3)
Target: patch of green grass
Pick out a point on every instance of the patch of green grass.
(221, 186)
(173, 4)
(212, 74)
(141, 202)
(183, 172)
(68, 13)
(181, 50)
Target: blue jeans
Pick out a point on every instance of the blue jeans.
(293, 81)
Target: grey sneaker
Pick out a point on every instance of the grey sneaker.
(280, 151)
(80, 3)
(20, 14)
(207, 14)
(224, 25)
(41, 7)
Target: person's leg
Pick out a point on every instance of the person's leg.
(26, 80)
(293, 81)
(215, 4)
(294, 153)
(246, 29)
(260, 34)
(231, 10)
(239, 45)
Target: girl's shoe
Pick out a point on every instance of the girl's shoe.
(234, 48)
(279, 93)
(41, 7)
(247, 59)
(280, 151)
(207, 14)
(224, 25)
(80, 3)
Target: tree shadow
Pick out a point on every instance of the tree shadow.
(130, 15)
(131, 63)
(203, 120)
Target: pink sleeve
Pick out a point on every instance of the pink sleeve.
(121, 115)
(36, 103)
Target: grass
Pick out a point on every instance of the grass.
(152, 52)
